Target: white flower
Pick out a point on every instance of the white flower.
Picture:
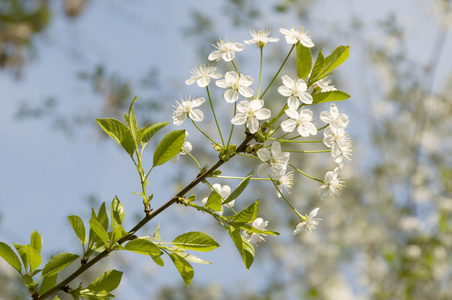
(308, 223)
(297, 36)
(261, 38)
(202, 75)
(332, 185)
(302, 121)
(236, 84)
(186, 107)
(334, 118)
(324, 86)
(186, 148)
(224, 191)
(250, 113)
(255, 238)
(275, 161)
(284, 182)
(339, 142)
(296, 91)
(225, 50)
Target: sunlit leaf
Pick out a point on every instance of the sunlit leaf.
(184, 267)
(106, 282)
(245, 249)
(214, 201)
(58, 263)
(240, 188)
(198, 241)
(48, 283)
(304, 61)
(99, 230)
(169, 147)
(119, 132)
(36, 241)
(150, 131)
(10, 257)
(247, 215)
(79, 228)
(117, 212)
(329, 97)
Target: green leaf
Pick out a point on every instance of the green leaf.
(118, 233)
(10, 257)
(150, 131)
(119, 132)
(247, 215)
(214, 201)
(192, 258)
(23, 255)
(244, 247)
(169, 147)
(93, 295)
(117, 212)
(99, 230)
(58, 263)
(132, 122)
(36, 241)
(102, 216)
(250, 228)
(317, 68)
(304, 61)
(329, 96)
(156, 236)
(331, 62)
(33, 256)
(146, 247)
(183, 266)
(240, 188)
(48, 283)
(28, 280)
(106, 282)
(79, 228)
(198, 241)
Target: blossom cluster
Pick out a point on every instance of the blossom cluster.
(256, 118)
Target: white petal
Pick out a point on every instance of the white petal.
(239, 119)
(264, 154)
(263, 170)
(198, 101)
(293, 102)
(231, 77)
(256, 104)
(243, 106)
(222, 83)
(288, 125)
(276, 149)
(196, 115)
(287, 81)
(246, 91)
(231, 95)
(263, 114)
(203, 82)
(190, 81)
(306, 98)
(292, 113)
(252, 124)
(285, 91)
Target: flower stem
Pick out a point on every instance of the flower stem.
(301, 172)
(214, 116)
(199, 129)
(280, 193)
(277, 73)
(260, 73)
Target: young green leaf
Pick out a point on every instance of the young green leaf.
(117, 212)
(99, 230)
(146, 247)
(183, 266)
(119, 132)
(318, 65)
(79, 228)
(214, 201)
(48, 283)
(36, 241)
(58, 263)
(198, 241)
(192, 258)
(10, 257)
(240, 188)
(245, 249)
(332, 61)
(250, 228)
(23, 255)
(28, 280)
(106, 282)
(329, 97)
(156, 236)
(33, 256)
(150, 131)
(132, 122)
(169, 147)
(247, 215)
(92, 295)
(304, 61)
(102, 216)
